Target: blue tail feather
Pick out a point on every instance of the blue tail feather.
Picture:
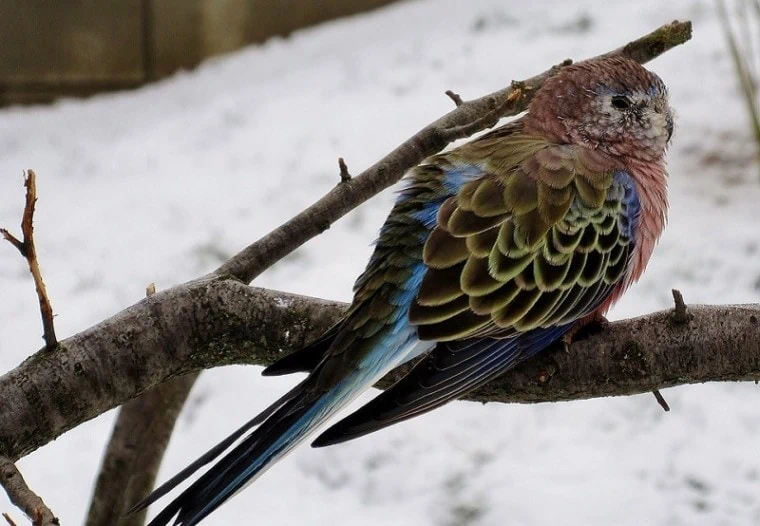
(281, 427)
(281, 432)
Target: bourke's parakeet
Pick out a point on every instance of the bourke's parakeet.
(493, 251)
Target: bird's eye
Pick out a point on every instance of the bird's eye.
(620, 102)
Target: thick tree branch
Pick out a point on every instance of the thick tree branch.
(468, 118)
(135, 450)
(217, 321)
(24, 498)
(29, 252)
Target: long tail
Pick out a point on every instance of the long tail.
(211, 454)
(355, 365)
(297, 415)
(305, 359)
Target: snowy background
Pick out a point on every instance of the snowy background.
(163, 183)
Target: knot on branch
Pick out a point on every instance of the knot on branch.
(345, 176)
(679, 316)
(454, 97)
(631, 361)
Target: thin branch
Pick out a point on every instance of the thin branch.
(468, 118)
(661, 400)
(743, 71)
(680, 316)
(8, 519)
(454, 97)
(135, 450)
(345, 176)
(13, 240)
(29, 252)
(24, 498)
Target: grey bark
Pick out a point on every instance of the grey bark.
(24, 498)
(217, 321)
(134, 453)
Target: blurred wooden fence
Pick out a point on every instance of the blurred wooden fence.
(50, 48)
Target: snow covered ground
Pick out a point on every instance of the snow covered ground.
(163, 183)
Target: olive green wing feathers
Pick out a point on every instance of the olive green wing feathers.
(515, 258)
(523, 247)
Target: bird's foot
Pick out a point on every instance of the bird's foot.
(591, 324)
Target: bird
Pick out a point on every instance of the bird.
(493, 251)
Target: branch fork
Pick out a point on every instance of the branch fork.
(29, 252)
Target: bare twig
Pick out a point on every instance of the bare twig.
(661, 400)
(454, 97)
(29, 252)
(8, 519)
(22, 497)
(680, 316)
(13, 240)
(468, 118)
(345, 176)
(743, 70)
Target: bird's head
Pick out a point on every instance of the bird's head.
(612, 104)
